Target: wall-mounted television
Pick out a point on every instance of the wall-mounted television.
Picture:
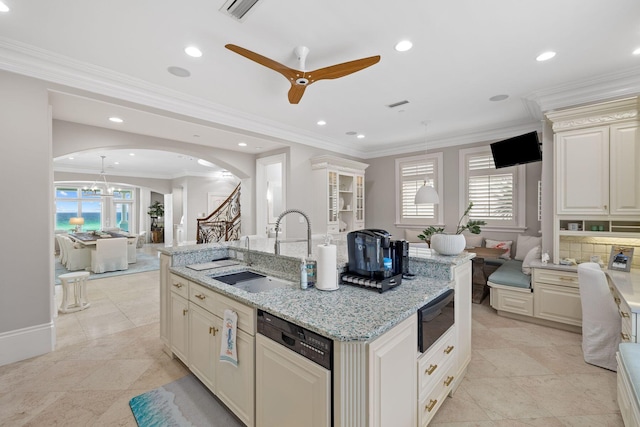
(517, 150)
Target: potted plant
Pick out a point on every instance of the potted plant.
(156, 210)
(453, 244)
(428, 232)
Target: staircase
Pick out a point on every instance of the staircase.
(222, 224)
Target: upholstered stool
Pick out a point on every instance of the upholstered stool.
(75, 282)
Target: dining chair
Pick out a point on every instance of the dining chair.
(77, 257)
(109, 255)
(132, 247)
(601, 324)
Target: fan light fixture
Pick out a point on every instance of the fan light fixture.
(100, 185)
(426, 194)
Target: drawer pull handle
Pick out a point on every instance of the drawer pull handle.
(448, 349)
(430, 369)
(448, 381)
(617, 300)
(200, 296)
(625, 337)
(624, 314)
(567, 279)
(178, 285)
(213, 331)
(432, 403)
(184, 311)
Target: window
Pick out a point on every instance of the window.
(73, 202)
(411, 174)
(495, 193)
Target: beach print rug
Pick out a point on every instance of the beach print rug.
(185, 402)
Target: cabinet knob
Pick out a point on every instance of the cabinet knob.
(617, 300)
(184, 311)
(624, 314)
(625, 337)
(213, 331)
(432, 403)
(177, 285)
(200, 296)
(449, 349)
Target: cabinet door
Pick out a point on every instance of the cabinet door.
(165, 292)
(203, 331)
(291, 391)
(582, 171)
(180, 327)
(359, 199)
(625, 169)
(333, 197)
(557, 303)
(235, 385)
(393, 376)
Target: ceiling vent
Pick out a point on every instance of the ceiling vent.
(238, 9)
(397, 104)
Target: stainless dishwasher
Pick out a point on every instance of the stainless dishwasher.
(293, 375)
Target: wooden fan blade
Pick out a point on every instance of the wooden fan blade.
(295, 93)
(288, 73)
(341, 70)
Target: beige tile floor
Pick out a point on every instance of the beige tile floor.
(520, 374)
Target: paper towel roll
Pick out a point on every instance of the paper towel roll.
(327, 279)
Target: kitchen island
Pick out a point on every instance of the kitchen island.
(375, 376)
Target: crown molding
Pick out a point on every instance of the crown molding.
(605, 87)
(38, 63)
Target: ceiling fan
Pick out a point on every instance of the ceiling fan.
(300, 79)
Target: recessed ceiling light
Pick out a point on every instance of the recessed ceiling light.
(321, 123)
(637, 51)
(360, 136)
(3, 7)
(115, 119)
(179, 72)
(545, 56)
(193, 51)
(499, 97)
(132, 154)
(242, 144)
(404, 45)
(70, 158)
(116, 163)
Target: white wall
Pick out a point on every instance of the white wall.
(26, 327)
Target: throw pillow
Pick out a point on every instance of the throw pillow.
(532, 255)
(473, 240)
(502, 244)
(411, 235)
(525, 244)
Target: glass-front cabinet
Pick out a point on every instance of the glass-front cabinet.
(338, 195)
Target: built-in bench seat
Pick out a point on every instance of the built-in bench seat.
(510, 274)
(629, 382)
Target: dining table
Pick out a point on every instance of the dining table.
(479, 288)
(90, 238)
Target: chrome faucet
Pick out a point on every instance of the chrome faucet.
(248, 246)
(288, 211)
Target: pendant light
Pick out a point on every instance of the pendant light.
(426, 194)
(106, 189)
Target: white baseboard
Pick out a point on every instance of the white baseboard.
(28, 342)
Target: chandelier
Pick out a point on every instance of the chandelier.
(100, 185)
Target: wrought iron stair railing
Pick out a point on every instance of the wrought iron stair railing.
(223, 224)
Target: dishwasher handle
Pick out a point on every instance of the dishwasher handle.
(288, 340)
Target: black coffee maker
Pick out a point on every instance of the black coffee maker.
(374, 255)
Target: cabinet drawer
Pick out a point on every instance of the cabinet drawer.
(626, 317)
(554, 277)
(430, 403)
(203, 297)
(435, 361)
(246, 314)
(179, 285)
(513, 301)
(557, 303)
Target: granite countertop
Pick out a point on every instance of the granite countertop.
(347, 314)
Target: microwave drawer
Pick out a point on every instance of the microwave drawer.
(435, 360)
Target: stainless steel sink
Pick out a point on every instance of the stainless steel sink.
(251, 281)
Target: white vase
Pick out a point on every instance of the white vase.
(448, 244)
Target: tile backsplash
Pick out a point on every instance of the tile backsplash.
(582, 248)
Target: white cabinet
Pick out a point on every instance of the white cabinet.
(597, 159)
(304, 399)
(337, 195)
(179, 330)
(629, 319)
(165, 292)
(392, 376)
(582, 165)
(195, 331)
(556, 296)
(462, 286)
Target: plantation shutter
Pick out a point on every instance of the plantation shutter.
(413, 175)
(491, 190)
